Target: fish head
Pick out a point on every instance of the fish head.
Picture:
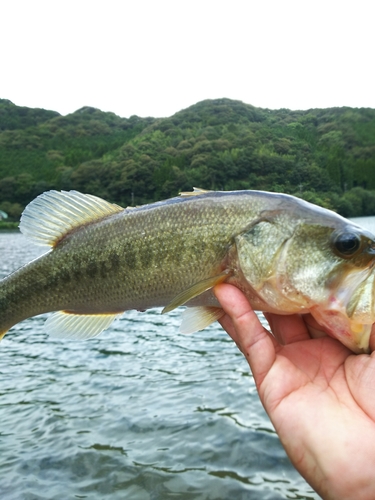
(318, 263)
(337, 279)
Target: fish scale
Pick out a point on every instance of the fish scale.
(282, 252)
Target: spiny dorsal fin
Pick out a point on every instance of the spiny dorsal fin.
(195, 192)
(54, 213)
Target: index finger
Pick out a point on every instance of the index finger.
(256, 343)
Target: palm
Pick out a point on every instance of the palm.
(319, 396)
(321, 371)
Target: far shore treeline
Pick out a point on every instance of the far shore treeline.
(326, 156)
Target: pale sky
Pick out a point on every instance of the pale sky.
(153, 58)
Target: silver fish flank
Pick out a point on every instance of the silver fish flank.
(288, 256)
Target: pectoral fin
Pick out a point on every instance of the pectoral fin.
(198, 318)
(64, 325)
(194, 291)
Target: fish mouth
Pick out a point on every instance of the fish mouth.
(360, 306)
(349, 312)
(348, 291)
(354, 336)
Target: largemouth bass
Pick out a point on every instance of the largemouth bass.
(288, 256)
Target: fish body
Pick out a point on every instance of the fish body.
(286, 255)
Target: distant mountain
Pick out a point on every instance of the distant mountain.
(324, 155)
(18, 117)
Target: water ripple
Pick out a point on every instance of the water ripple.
(142, 412)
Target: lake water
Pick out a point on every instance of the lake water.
(141, 412)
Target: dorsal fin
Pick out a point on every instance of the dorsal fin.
(195, 192)
(54, 213)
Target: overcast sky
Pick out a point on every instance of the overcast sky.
(153, 58)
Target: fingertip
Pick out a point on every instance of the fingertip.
(232, 300)
(223, 290)
(288, 329)
(372, 339)
(315, 330)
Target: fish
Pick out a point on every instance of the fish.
(287, 256)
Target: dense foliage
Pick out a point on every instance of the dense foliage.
(326, 156)
(18, 117)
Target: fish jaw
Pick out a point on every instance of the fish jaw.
(349, 312)
(355, 336)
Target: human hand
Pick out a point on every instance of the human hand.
(319, 396)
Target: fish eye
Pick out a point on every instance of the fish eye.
(347, 244)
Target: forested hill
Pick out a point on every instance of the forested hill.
(323, 155)
(19, 117)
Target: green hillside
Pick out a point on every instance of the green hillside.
(324, 155)
(19, 117)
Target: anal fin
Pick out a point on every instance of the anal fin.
(65, 325)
